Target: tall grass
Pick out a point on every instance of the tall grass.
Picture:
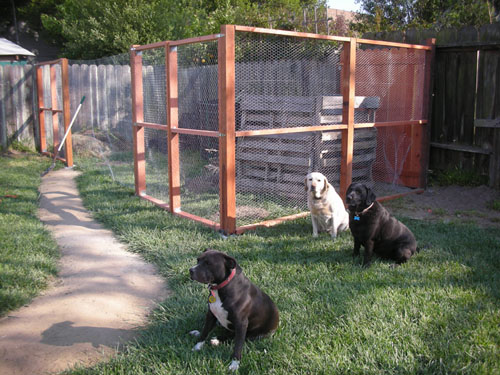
(28, 253)
(437, 314)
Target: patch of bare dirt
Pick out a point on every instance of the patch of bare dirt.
(451, 203)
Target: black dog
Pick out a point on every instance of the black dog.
(234, 301)
(373, 227)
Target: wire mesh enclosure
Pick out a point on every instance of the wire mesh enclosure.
(227, 126)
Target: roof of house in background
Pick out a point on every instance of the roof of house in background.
(347, 15)
(8, 48)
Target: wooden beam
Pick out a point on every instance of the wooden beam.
(301, 129)
(50, 109)
(430, 56)
(174, 179)
(487, 123)
(348, 77)
(151, 125)
(461, 148)
(199, 39)
(165, 206)
(271, 223)
(51, 62)
(204, 133)
(395, 196)
(389, 123)
(227, 125)
(296, 34)
(394, 44)
(145, 47)
(41, 115)
(137, 117)
(68, 144)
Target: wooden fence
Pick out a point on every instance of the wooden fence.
(465, 130)
(465, 108)
(17, 93)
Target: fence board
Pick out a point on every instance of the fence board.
(16, 106)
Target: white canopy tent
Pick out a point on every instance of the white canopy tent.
(11, 51)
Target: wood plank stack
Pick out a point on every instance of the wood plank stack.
(278, 164)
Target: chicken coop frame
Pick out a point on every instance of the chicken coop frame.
(59, 104)
(227, 133)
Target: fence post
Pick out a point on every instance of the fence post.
(41, 112)
(427, 109)
(227, 138)
(68, 145)
(138, 117)
(174, 180)
(348, 81)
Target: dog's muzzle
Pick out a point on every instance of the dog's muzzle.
(192, 273)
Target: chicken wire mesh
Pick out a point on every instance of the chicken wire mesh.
(156, 156)
(199, 176)
(197, 73)
(390, 86)
(102, 132)
(280, 83)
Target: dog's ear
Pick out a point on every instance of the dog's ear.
(325, 185)
(370, 196)
(230, 262)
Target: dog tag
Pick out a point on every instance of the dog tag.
(212, 299)
(356, 218)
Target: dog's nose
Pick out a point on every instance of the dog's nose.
(191, 272)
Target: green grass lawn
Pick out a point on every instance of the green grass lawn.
(437, 314)
(28, 254)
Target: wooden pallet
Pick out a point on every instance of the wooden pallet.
(278, 164)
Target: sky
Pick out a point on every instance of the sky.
(343, 4)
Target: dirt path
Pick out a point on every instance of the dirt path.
(102, 295)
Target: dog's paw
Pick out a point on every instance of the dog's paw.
(214, 341)
(315, 235)
(234, 365)
(195, 333)
(198, 346)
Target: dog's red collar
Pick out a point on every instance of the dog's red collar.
(225, 282)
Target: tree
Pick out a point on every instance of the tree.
(388, 15)
(88, 29)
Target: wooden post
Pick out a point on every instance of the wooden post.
(41, 112)
(55, 109)
(427, 110)
(68, 145)
(348, 77)
(174, 180)
(227, 139)
(138, 117)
